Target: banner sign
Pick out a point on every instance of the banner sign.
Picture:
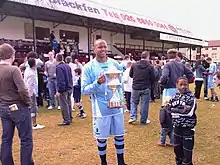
(98, 11)
(173, 38)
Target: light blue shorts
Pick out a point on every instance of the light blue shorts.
(211, 85)
(168, 92)
(106, 126)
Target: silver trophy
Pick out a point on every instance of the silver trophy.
(113, 82)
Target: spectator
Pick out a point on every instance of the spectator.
(206, 65)
(211, 85)
(14, 105)
(158, 73)
(183, 107)
(64, 89)
(179, 57)
(50, 72)
(171, 72)
(128, 81)
(77, 93)
(199, 72)
(30, 82)
(143, 76)
(39, 63)
(217, 78)
(73, 67)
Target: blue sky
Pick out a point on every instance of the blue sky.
(196, 15)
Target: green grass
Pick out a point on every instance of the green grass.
(75, 145)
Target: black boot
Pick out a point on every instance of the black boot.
(216, 99)
(120, 158)
(103, 159)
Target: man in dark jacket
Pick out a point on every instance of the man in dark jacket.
(158, 73)
(206, 65)
(143, 76)
(171, 72)
(64, 88)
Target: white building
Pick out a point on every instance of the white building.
(88, 21)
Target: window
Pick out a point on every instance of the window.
(214, 48)
(214, 55)
(28, 31)
(98, 37)
(198, 50)
(42, 33)
(69, 35)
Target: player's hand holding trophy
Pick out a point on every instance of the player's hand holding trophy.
(113, 82)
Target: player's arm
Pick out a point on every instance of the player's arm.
(89, 87)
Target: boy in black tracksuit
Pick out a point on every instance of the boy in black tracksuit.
(183, 107)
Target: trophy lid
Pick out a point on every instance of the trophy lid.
(114, 82)
(113, 70)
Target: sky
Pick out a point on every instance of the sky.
(200, 16)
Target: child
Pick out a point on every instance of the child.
(183, 107)
(166, 127)
(211, 85)
(127, 86)
(30, 82)
(77, 93)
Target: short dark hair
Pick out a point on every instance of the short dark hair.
(172, 53)
(218, 74)
(157, 62)
(182, 78)
(209, 59)
(31, 55)
(126, 57)
(180, 55)
(6, 51)
(68, 59)
(145, 54)
(78, 70)
(198, 62)
(203, 55)
(59, 57)
(31, 62)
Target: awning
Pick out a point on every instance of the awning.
(94, 10)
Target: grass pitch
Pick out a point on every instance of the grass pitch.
(75, 145)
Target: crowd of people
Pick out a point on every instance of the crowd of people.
(139, 81)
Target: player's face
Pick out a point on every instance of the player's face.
(182, 85)
(216, 81)
(101, 49)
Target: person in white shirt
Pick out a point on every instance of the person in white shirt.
(73, 67)
(39, 63)
(78, 64)
(127, 80)
(30, 82)
(125, 61)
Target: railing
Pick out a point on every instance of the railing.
(139, 47)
